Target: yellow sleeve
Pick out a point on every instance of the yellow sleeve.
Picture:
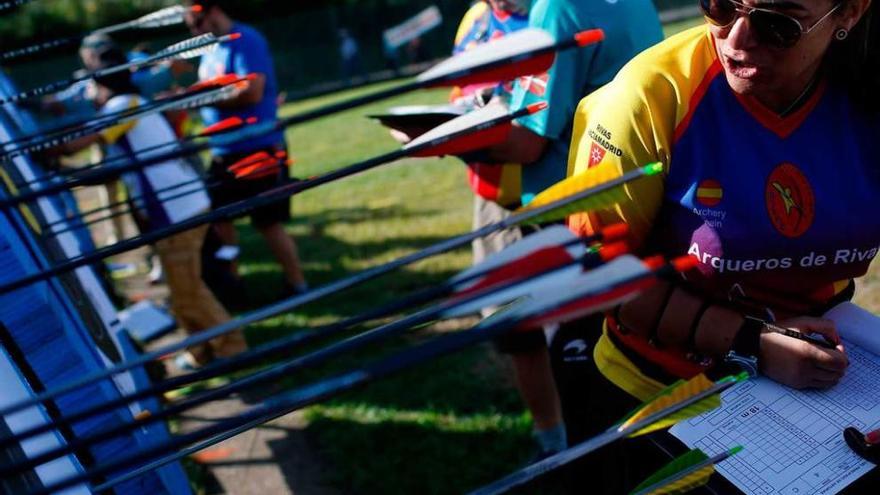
(476, 11)
(631, 122)
(119, 104)
(113, 134)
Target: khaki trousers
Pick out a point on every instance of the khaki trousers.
(192, 303)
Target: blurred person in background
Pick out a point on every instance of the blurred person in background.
(247, 55)
(540, 143)
(350, 53)
(76, 104)
(156, 204)
(497, 189)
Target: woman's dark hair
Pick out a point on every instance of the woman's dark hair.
(855, 62)
(119, 83)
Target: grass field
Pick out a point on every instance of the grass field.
(414, 433)
(449, 425)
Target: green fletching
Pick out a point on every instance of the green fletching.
(596, 202)
(694, 410)
(653, 169)
(674, 397)
(686, 484)
(579, 184)
(656, 396)
(677, 466)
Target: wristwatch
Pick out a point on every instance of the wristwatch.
(747, 346)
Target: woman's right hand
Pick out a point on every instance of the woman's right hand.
(800, 364)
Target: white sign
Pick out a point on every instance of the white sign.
(402, 34)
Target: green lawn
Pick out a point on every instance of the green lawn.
(412, 433)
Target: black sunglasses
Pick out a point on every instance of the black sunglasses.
(771, 27)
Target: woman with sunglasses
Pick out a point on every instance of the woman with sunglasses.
(766, 121)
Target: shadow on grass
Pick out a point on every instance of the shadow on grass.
(449, 424)
(328, 259)
(440, 462)
(357, 215)
(446, 426)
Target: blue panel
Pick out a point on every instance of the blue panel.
(48, 330)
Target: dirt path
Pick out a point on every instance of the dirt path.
(273, 459)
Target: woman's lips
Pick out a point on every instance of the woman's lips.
(742, 69)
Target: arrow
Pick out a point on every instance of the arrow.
(525, 52)
(506, 58)
(238, 123)
(515, 259)
(685, 473)
(232, 124)
(317, 293)
(278, 371)
(691, 397)
(564, 189)
(168, 16)
(615, 280)
(193, 47)
(184, 102)
(453, 137)
(251, 168)
(213, 83)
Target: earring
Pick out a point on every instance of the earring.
(841, 34)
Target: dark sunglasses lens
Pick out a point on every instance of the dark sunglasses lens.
(719, 12)
(776, 29)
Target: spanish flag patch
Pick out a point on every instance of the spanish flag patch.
(709, 193)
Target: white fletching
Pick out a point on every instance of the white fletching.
(511, 45)
(196, 43)
(196, 52)
(548, 282)
(588, 284)
(556, 235)
(161, 18)
(486, 114)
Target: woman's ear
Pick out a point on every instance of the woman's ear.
(853, 12)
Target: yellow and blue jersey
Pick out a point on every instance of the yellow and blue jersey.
(778, 210)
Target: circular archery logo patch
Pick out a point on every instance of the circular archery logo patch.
(709, 193)
(790, 201)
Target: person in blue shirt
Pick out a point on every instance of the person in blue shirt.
(247, 55)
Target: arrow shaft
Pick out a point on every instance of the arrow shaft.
(614, 434)
(64, 42)
(320, 292)
(184, 47)
(112, 116)
(284, 369)
(111, 214)
(297, 399)
(39, 47)
(285, 345)
(237, 208)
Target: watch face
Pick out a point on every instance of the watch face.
(749, 364)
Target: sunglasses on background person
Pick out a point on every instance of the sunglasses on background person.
(770, 26)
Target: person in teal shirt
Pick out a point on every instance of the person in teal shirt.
(540, 143)
(630, 27)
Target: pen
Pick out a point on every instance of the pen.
(866, 446)
(820, 341)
